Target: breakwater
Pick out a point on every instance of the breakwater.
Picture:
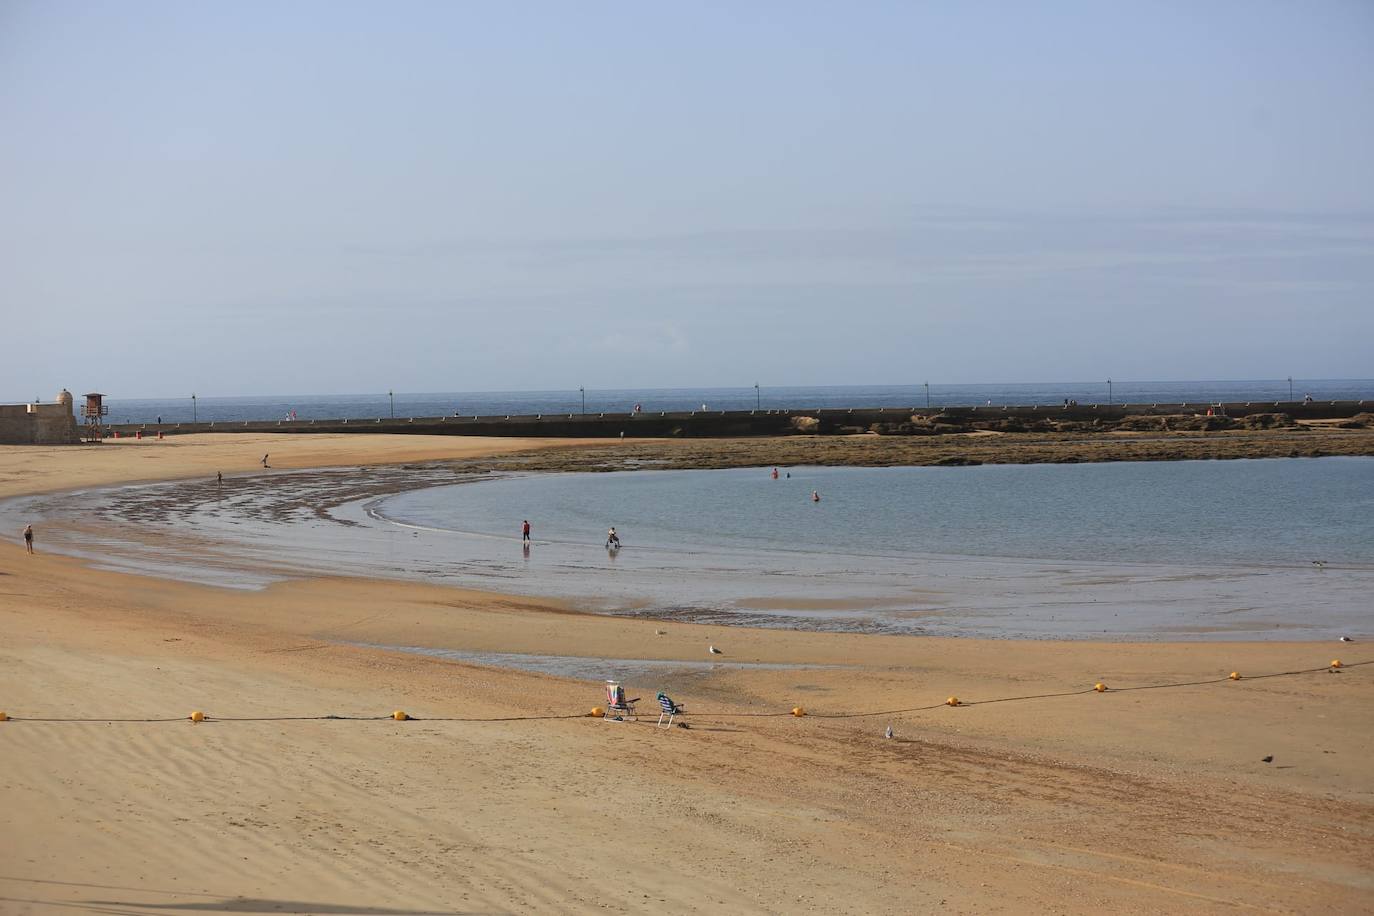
(729, 423)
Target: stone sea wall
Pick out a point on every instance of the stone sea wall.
(824, 421)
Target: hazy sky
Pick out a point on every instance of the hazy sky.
(244, 198)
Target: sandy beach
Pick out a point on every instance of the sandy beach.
(1054, 799)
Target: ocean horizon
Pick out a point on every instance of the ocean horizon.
(209, 408)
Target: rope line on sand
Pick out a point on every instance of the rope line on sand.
(1335, 667)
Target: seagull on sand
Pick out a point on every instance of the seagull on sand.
(714, 651)
(1269, 759)
(888, 733)
(1346, 639)
(1320, 564)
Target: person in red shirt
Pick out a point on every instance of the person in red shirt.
(525, 532)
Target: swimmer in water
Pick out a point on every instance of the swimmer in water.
(612, 539)
(815, 496)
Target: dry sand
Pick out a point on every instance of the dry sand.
(1130, 801)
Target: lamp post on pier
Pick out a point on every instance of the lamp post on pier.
(194, 415)
(583, 391)
(927, 394)
(758, 398)
(1109, 392)
(1290, 389)
(392, 395)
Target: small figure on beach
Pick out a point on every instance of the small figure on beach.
(1307, 399)
(612, 540)
(28, 538)
(219, 478)
(159, 421)
(775, 473)
(815, 496)
(639, 408)
(525, 532)
(264, 460)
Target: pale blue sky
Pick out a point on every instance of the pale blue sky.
(343, 197)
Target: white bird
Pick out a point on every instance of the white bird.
(660, 632)
(714, 651)
(888, 733)
(1320, 564)
(1346, 639)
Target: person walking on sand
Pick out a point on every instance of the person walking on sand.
(264, 460)
(219, 478)
(28, 538)
(525, 532)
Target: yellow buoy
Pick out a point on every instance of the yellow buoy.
(798, 711)
(399, 716)
(598, 712)
(197, 716)
(1335, 663)
(952, 701)
(4, 717)
(1234, 675)
(1100, 687)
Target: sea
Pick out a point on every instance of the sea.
(207, 407)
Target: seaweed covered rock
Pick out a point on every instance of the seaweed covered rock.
(1268, 421)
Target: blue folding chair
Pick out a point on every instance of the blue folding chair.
(670, 711)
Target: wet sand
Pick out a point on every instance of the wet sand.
(1135, 801)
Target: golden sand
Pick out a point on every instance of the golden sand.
(1126, 801)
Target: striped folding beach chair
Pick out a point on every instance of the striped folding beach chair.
(618, 708)
(670, 711)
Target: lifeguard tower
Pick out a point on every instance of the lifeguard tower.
(94, 413)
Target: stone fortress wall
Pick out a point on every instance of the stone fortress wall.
(39, 424)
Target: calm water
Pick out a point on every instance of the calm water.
(500, 403)
(1237, 512)
(1135, 551)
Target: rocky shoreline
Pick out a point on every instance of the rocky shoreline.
(1165, 438)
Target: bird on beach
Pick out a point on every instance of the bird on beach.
(1346, 639)
(888, 733)
(714, 651)
(1320, 564)
(1269, 759)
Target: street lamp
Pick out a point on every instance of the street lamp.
(1290, 389)
(194, 415)
(758, 402)
(1109, 392)
(927, 394)
(392, 395)
(583, 391)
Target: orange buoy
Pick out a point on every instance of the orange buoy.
(952, 701)
(598, 712)
(1234, 675)
(798, 711)
(1100, 687)
(4, 717)
(1335, 663)
(399, 716)
(197, 716)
